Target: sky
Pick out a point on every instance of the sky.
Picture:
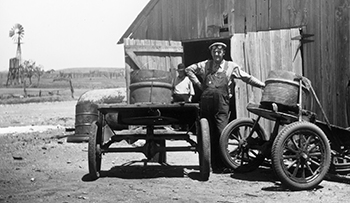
(62, 34)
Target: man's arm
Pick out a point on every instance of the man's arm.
(191, 88)
(238, 73)
(193, 70)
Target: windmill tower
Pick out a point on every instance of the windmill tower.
(16, 33)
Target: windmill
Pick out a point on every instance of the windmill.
(16, 33)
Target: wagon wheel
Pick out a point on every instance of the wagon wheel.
(301, 155)
(203, 139)
(94, 150)
(242, 146)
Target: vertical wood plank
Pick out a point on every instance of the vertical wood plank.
(181, 15)
(286, 10)
(253, 63)
(265, 53)
(316, 54)
(231, 19)
(286, 52)
(251, 18)
(275, 14)
(239, 16)
(166, 19)
(193, 20)
(327, 58)
(276, 62)
(262, 17)
(301, 19)
(237, 55)
(308, 49)
(127, 71)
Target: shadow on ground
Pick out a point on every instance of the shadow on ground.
(144, 170)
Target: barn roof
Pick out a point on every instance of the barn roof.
(139, 19)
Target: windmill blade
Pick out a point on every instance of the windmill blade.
(19, 28)
(17, 32)
(12, 32)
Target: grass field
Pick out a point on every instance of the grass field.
(50, 90)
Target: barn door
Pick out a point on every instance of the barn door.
(260, 52)
(152, 55)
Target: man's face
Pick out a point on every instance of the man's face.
(181, 72)
(218, 54)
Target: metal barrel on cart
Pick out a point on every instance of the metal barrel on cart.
(86, 110)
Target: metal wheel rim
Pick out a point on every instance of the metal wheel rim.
(302, 158)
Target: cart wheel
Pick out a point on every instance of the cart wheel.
(239, 150)
(94, 151)
(204, 149)
(301, 155)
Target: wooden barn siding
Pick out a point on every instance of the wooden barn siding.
(180, 19)
(327, 62)
(155, 54)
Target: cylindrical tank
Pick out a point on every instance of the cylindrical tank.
(150, 86)
(282, 88)
(86, 111)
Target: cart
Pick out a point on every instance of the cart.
(300, 148)
(152, 123)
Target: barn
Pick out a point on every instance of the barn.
(307, 37)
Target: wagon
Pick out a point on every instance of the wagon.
(300, 148)
(152, 123)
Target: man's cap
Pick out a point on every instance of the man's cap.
(181, 67)
(217, 45)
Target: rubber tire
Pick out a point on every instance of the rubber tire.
(94, 151)
(204, 149)
(235, 161)
(279, 149)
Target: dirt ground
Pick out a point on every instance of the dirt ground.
(42, 167)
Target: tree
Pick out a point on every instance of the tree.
(39, 71)
(68, 79)
(28, 70)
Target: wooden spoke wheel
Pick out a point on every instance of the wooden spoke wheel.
(242, 146)
(301, 155)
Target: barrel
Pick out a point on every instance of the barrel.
(282, 88)
(143, 75)
(150, 86)
(85, 113)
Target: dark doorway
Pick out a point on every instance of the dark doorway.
(196, 51)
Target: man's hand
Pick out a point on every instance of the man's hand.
(199, 85)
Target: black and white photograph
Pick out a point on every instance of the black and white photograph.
(179, 101)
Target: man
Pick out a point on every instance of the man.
(217, 75)
(182, 88)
